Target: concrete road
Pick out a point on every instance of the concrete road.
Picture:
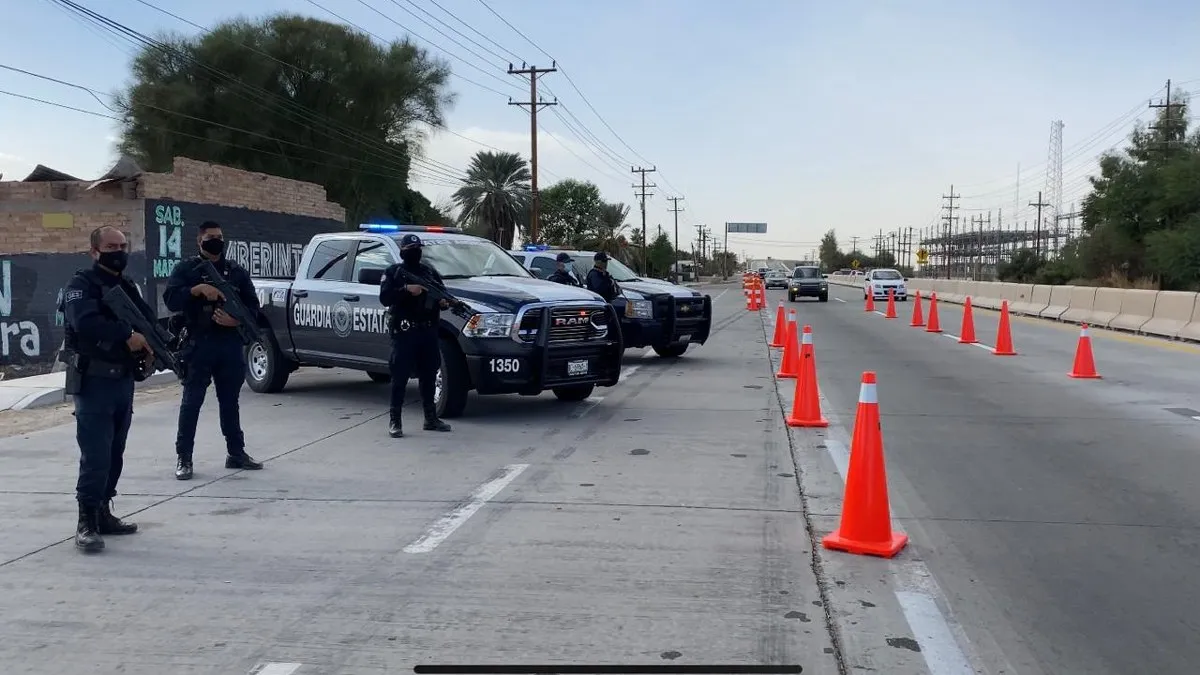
(1053, 521)
(659, 522)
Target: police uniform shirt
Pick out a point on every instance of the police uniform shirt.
(178, 294)
(601, 283)
(562, 277)
(97, 332)
(405, 305)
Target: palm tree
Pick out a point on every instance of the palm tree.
(496, 195)
(609, 234)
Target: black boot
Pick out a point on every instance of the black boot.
(183, 469)
(87, 532)
(110, 524)
(242, 461)
(432, 423)
(395, 428)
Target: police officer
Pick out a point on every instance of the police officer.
(561, 275)
(212, 350)
(599, 280)
(414, 328)
(104, 351)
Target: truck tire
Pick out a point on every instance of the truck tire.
(791, 297)
(380, 378)
(453, 381)
(267, 371)
(670, 351)
(574, 393)
(825, 297)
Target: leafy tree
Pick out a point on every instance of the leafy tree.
(611, 225)
(496, 195)
(831, 257)
(290, 96)
(660, 256)
(569, 211)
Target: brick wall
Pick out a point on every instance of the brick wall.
(57, 217)
(200, 182)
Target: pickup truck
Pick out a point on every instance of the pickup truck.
(654, 313)
(525, 335)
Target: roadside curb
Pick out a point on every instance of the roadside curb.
(44, 391)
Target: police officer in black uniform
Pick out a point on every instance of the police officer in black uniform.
(102, 353)
(212, 349)
(561, 275)
(414, 320)
(599, 281)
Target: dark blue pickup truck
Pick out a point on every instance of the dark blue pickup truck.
(525, 335)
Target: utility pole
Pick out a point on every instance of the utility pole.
(1037, 228)
(948, 220)
(1168, 127)
(853, 245)
(675, 209)
(534, 106)
(642, 194)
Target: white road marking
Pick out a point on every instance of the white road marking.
(918, 602)
(720, 294)
(628, 370)
(444, 527)
(279, 669)
(986, 348)
(586, 406)
(839, 299)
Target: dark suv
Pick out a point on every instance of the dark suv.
(807, 282)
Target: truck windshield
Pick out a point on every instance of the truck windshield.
(806, 273)
(616, 268)
(464, 259)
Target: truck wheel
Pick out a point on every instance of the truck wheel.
(266, 370)
(576, 392)
(670, 351)
(453, 382)
(791, 297)
(380, 378)
(825, 298)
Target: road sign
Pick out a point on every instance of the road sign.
(922, 256)
(746, 228)
(854, 263)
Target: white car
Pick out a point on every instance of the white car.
(878, 282)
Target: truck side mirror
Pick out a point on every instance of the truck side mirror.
(373, 277)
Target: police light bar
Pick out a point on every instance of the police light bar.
(389, 228)
(536, 247)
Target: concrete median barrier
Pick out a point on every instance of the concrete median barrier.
(1106, 306)
(1038, 300)
(1079, 305)
(1137, 307)
(1060, 301)
(1173, 311)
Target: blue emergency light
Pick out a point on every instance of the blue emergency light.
(537, 247)
(391, 227)
(378, 227)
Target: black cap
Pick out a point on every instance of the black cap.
(600, 257)
(563, 258)
(409, 241)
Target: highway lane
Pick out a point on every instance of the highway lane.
(659, 522)
(1058, 516)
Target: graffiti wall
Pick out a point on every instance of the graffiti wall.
(266, 244)
(31, 287)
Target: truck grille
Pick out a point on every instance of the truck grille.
(577, 324)
(689, 308)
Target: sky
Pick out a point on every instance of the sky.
(852, 116)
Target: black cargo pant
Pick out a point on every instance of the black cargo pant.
(415, 348)
(103, 412)
(214, 358)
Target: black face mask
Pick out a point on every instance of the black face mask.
(114, 260)
(213, 246)
(411, 256)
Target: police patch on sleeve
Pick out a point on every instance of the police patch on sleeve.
(72, 295)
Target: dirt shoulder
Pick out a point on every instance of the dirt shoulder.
(19, 422)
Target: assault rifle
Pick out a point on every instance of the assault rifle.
(160, 340)
(247, 322)
(434, 292)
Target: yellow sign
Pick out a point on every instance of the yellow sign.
(922, 256)
(854, 263)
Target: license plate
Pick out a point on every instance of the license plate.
(575, 368)
(685, 338)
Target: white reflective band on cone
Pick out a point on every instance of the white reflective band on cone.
(868, 394)
(1083, 332)
(806, 338)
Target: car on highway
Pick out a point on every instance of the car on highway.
(776, 279)
(806, 282)
(878, 282)
(653, 313)
(522, 335)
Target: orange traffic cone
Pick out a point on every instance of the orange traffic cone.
(870, 306)
(1085, 365)
(1004, 343)
(866, 524)
(780, 325)
(789, 365)
(917, 319)
(891, 306)
(934, 326)
(967, 334)
(806, 403)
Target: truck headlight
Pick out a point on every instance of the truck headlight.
(489, 325)
(639, 309)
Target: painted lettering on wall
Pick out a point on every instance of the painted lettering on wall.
(170, 223)
(266, 258)
(17, 335)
